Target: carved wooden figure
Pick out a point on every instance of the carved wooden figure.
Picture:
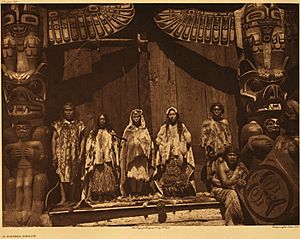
(27, 30)
(26, 186)
(262, 33)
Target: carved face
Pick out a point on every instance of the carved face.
(21, 38)
(22, 130)
(20, 19)
(264, 40)
(272, 127)
(23, 70)
(260, 93)
(262, 66)
(25, 97)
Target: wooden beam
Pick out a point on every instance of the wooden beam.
(86, 215)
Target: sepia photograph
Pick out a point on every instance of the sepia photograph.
(149, 116)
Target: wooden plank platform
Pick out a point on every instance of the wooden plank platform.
(196, 217)
(126, 208)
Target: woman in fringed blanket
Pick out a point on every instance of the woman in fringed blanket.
(215, 137)
(230, 173)
(102, 161)
(175, 161)
(135, 156)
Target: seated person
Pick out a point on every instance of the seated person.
(230, 174)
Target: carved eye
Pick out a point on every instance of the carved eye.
(256, 195)
(275, 14)
(30, 19)
(255, 15)
(255, 85)
(8, 19)
(35, 87)
(93, 8)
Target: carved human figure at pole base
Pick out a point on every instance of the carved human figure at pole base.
(67, 151)
(24, 88)
(262, 35)
(26, 186)
(255, 145)
(289, 141)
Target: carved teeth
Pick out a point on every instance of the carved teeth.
(272, 106)
(18, 110)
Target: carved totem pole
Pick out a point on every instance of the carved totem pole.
(25, 143)
(261, 33)
(26, 31)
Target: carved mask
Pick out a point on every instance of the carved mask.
(264, 40)
(260, 93)
(25, 98)
(262, 67)
(21, 38)
(23, 130)
(272, 127)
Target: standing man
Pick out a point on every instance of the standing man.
(215, 138)
(67, 150)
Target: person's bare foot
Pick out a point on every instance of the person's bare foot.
(82, 203)
(19, 217)
(62, 202)
(25, 216)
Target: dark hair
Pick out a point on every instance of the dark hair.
(178, 122)
(231, 149)
(97, 125)
(216, 104)
(71, 105)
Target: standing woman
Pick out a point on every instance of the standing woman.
(174, 175)
(102, 161)
(135, 155)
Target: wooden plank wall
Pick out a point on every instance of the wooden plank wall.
(123, 79)
(153, 82)
(170, 85)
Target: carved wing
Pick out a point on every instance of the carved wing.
(192, 25)
(90, 23)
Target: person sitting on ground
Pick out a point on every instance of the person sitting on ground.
(230, 174)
